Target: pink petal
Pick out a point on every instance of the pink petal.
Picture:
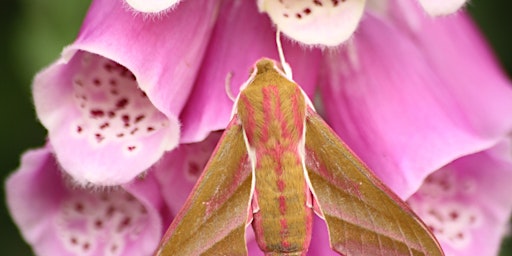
(441, 7)
(323, 22)
(106, 134)
(152, 6)
(178, 171)
(240, 38)
(388, 101)
(467, 203)
(57, 218)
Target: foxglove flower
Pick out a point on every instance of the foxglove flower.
(399, 92)
(324, 22)
(467, 203)
(57, 218)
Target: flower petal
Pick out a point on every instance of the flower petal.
(441, 7)
(467, 203)
(152, 6)
(323, 22)
(400, 116)
(93, 100)
(240, 38)
(56, 218)
(178, 171)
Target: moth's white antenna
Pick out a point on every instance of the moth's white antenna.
(227, 84)
(287, 69)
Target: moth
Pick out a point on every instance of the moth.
(276, 164)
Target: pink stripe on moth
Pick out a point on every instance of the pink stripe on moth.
(281, 185)
(282, 204)
(284, 233)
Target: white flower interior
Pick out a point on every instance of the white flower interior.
(443, 203)
(113, 108)
(324, 22)
(102, 223)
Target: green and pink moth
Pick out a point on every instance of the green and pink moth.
(278, 163)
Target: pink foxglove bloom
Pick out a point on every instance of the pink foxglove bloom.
(312, 21)
(58, 218)
(467, 202)
(420, 100)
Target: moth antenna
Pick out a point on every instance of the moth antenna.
(227, 84)
(286, 68)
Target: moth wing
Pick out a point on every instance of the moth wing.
(363, 216)
(213, 219)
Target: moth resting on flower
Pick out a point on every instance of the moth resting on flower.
(277, 163)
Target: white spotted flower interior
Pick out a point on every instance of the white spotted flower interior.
(314, 22)
(440, 203)
(112, 106)
(112, 111)
(58, 218)
(467, 203)
(103, 127)
(326, 22)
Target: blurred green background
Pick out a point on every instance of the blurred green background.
(35, 31)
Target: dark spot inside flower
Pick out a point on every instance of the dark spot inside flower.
(460, 235)
(285, 15)
(139, 118)
(127, 74)
(86, 246)
(454, 215)
(73, 240)
(113, 82)
(111, 114)
(317, 2)
(99, 137)
(110, 211)
(129, 198)
(79, 82)
(131, 148)
(335, 2)
(109, 67)
(79, 207)
(132, 132)
(444, 184)
(104, 125)
(124, 224)
(96, 82)
(194, 169)
(114, 92)
(126, 120)
(113, 248)
(96, 113)
(307, 11)
(79, 129)
(120, 135)
(122, 103)
(150, 129)
(298, 15)
(98, 224)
